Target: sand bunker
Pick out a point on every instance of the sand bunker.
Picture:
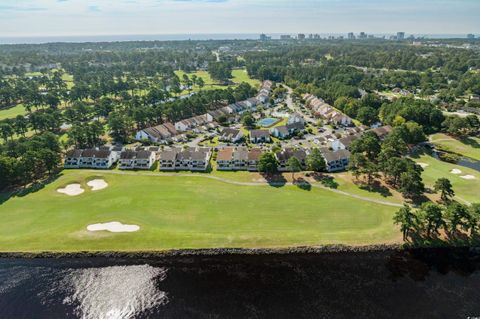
(114, 227)
(468, 177)
(423, 165)
(456, 171)
(71, 190)
(97, 184)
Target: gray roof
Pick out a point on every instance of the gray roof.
(144, 154)
(287, 153)
(168, 155)
(282, 130)
(331, 156)
(75, 153)
(240, 154)
(128, 154)
(347, 140)
(295, 126)
(259, 133)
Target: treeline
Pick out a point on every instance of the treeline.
(428, 222)
(338, 69)
(28, 159)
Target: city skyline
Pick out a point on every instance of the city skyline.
(169, 17)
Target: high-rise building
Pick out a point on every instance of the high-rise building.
(264, 37)
(400, 36)
(362, 35)
(285, 37)
(301, 36)
(351, 36)
(470, 36)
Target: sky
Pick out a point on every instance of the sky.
(120, 17)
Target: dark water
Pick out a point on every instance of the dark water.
(426, 284)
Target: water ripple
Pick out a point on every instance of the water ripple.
(114, 292)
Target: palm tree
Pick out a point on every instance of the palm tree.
(406, 219)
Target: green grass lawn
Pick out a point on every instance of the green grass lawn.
(239, 76)
(12, 112)
(466, 190)
(188, 212)
(469, 147)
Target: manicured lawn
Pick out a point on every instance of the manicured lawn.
(239, 76)
(12, 112)
(469, 147)
(188, 212)
(466, 190)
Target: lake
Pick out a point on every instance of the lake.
(441, 283)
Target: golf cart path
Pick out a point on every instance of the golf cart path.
(228, 181)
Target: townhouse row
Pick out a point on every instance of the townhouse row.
(242, 159)
(169, 132)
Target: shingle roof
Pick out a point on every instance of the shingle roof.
(168, 155)
(128, 154)
(74, 153)
(240, 154)
(225, 154)
(259, 133)
(254, 154)
(335, 156)
(144, 154)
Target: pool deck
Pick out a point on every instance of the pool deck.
(268, 122)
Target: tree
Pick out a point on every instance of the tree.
(444, 186)
(457, 215)
(6, 130)
(200, 83)
(248, 120)
(267, 163)
(432, 218)
(410, 183)
(474, 218)
(407, 221)
(315, 161)
(294, 166)
(21, 125)
(368, 144)
(367, 115)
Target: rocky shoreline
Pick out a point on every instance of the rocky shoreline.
(211, 252)
(214, 252)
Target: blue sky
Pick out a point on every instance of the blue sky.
(111, 17)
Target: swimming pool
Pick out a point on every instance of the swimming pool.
(266, 122)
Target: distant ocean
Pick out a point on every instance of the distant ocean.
(177, 37)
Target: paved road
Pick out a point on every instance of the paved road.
(295, 108)
(225, 180)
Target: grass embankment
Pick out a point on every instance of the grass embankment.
(188, 212)
(469, 146)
